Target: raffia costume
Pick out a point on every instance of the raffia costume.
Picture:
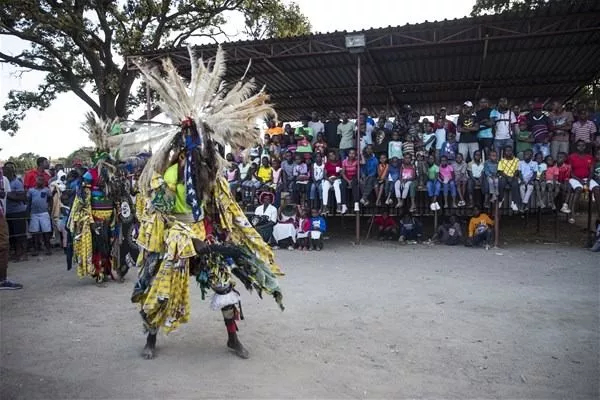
(190, 226)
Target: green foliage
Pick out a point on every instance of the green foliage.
(24, 162)
(83, 154)
(81, 44)
(498, 6)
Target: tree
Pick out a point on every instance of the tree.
(82, 155)
(81, 44)
(25, 161)
(498, 6)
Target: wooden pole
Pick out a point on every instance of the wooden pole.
(496, 224)
(358, 143)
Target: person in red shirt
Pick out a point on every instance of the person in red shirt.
(332, 179)
(30, 178)
(581, 173)
(350, 174)
(387, 226)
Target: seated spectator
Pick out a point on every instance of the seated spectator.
(450, 148)
(527, 174)
(421, 170)
(243, 167)
(508, 171)
(250, 186)
(264, 174)
(286, 229)
(301, 180)
(277, 179)
(564, 174)
(273, 130)
(552, 186)
(350, 178)
(490, 172)
(304, 131)
(480, 228)
(381, 138)
(387, 227)
(368, 167)
(395, 146)
(320, 145)
(583, 129)
(287, 177)
(302, 238)
(449, 233)
(275, 147)
(581, 172)
(288, 139)
(446, 176)
(269, 212)
(410, 229)
(440, 135)
(539, 182)
(318, 226)
(392, 177)
(539, 125)
(461, 178)
(333, 179)
(317, 173)
(595, 181)
(434, 186)
(428, 137)
(382, 174)
(405, 185)
(475, 172)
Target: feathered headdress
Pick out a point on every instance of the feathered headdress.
(98, 131)
(217, 113)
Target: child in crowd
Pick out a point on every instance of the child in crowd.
(449, 233)
(461, 178)
(244, 167)
(318, 226)
(508, 171)
(264, 174)
(395, 146)
(40, 224)
(302, 238)
(421, 170)
(475, 171)
(551, 186)
(480, 229)
(382, 174)
(275, 147)
(287, 177)
(564, 174)
(440, 136)
(524, 139)
(490, 172)
(428, 137)
(333, 179)
(317, 173)
(392, 177)
(404, 186)
(411, 229)
(446, 176)
(527, 174)
(277, 178)
(233, 178)
(250, 185)
(450, 148)
(408, 145)
(434, 186)
(320, 145)
(350, 176)
(301, 179)
(539, 182)
(387, 227)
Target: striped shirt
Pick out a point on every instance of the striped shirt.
(583, 130)
(350, 168)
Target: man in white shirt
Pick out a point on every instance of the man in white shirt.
(268, 210)
(316, 125)
(506, 125)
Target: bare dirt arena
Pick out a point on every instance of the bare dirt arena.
(375, 321)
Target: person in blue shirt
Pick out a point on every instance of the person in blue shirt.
(318, 226)
(368, 171)
(450, 147)
(392, 177)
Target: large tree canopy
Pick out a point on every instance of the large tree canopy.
(81, 44)
(498, 6)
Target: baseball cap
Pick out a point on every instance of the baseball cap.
(442, 108)
(468, 103)
(538, 106)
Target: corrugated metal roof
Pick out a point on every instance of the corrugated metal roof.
(545, 53)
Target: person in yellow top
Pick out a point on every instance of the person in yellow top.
(174, 179)
(265, 171)
(480, 229)
(508, 171)
(273, 129)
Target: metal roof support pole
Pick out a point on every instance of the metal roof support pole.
(358, 143)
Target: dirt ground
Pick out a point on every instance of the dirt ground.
(375, 321)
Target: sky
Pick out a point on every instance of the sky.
(56, 131)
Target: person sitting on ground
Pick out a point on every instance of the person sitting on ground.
(490, 172)
(40, 225)
(405, 185)
(318, 226)
(269, 214)
(461, 178)
(387, 227)
(527, 174)
(480, 229)
(552, 186)
(446, 177)
(581, 172)
(286, 229)
(449, 233)
(508, 170)
(411, 229)
(475, 171)
(539, 181)
(302, 238)
(434, 186)
(333, 180)
(382, 174)
(369, 165)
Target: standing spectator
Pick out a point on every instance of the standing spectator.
(442, 127)
(461, 178)
(30, 180)
(382, 174)
(539, 125)
(387, 124)
(446, 174)
(485, 136)
(381, 138)
(524, 138)
(316, 126)
(584, 130)
(448, 125)
(387, 227)
(581, 172)
(331, 133)
(434, 186)
(16, 211)
(40, 225)
(449, 148)
(421, 170)
(320, 145)
(490, 171)
(317, 173)
(527, 174)
(5, 284)
(505, 123)
(395, 146)
(429, 137)
(480, 228)
(468, 126)
(305, 131)
(552, 185)
(273, 130)
(595, 181)
(288, 139)
(562, 122)
(475, 171)
(350, 178)
(369, 164)
(318, 226)
(333, 180)
(405, 185)
(346, 131)
(508, 170)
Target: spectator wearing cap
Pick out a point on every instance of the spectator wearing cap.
(346, 132)
(506, 126)
(539, 125)
(468, 126)
(316, 126)
(485, 136)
